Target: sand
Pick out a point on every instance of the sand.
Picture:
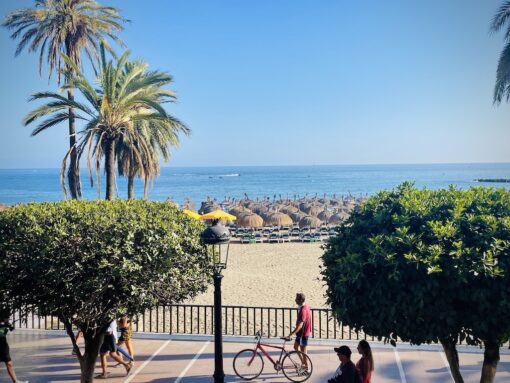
(270, 274)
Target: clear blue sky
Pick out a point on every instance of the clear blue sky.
(293, 82)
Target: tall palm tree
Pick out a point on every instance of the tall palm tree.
(501, 20)
(129, 96)
(54, 27)
(138, 154)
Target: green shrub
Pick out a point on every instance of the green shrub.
(425, 266)
(89, 262)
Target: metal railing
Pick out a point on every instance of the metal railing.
(199, 320)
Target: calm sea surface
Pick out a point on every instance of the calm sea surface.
(177, 183)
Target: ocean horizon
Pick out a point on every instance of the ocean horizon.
(276, 181)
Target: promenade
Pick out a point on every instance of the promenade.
(43, 357)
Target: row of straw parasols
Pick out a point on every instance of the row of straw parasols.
(305, 213)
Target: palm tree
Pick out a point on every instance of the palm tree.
(54, 27)
(129, 97)
(500, 20)
(137, 154)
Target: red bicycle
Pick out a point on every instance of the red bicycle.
(295, 365)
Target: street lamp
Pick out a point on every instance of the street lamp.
(217, 239)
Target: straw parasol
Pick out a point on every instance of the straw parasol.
(338, 217)
(287, 209)
(250, 220)
(238, 210)
(325, 215)
(279, 219)
(309, 221)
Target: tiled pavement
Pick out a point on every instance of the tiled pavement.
(42, 357)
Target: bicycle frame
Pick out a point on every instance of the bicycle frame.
(260, 346)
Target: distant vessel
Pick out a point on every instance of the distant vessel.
(494, 180)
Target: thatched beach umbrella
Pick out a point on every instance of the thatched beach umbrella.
(250, 220)
(309, 221)
(207, 207)
(188, 204)
(325, 215)
(338, 217)
(238, 210)
(287, 209)
(3, 207)
(279, 219)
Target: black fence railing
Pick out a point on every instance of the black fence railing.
(273, 322)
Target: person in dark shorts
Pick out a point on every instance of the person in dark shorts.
(303, 326)
(5, 355)
(109, 347)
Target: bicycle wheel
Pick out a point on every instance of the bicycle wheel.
(297, 366)
(248, 364)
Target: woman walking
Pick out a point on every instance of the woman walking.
(365, 365)
(5, 355)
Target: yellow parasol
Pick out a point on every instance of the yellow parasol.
(218, 214)
(192, 214)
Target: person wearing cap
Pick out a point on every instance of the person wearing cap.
(346, 372)
(303, 326)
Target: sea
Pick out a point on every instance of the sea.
(200, 183)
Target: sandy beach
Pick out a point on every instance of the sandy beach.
(270, 274)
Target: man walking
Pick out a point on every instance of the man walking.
(303, 327)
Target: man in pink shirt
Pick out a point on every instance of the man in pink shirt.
(303, 326)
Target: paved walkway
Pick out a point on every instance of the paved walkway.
(41, 357)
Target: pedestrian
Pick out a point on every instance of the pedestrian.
(346, 372)
(5, 355)
(109, 348)
(365, 365)
(303, 327)
(126, 335)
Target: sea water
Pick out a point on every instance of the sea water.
(198, 183)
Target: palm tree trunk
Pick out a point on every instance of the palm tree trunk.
(490, 361)
(452, 357)
(109, 167)
(72, 172)
(131, 186)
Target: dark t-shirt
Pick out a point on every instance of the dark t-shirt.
(345, 374)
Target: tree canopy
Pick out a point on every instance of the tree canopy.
(426, 266)
(90, 262)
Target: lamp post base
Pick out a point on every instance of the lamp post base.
(219, 375)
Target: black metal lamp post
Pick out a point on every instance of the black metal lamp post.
(217, 240)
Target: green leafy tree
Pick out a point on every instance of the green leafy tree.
(90, 262)
(426, 266)
(129, 96)
(70, 27)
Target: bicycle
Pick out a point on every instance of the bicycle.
(249, 364)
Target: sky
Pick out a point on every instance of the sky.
(294, 82)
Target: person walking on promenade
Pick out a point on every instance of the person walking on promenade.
(109, 347)
(365, 365)
(126, 335)
(346, 372)
(5, 355)
(303, 326)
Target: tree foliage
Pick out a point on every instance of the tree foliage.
(425, 266)
(70, 27)
(124, 114)
(89, 262)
